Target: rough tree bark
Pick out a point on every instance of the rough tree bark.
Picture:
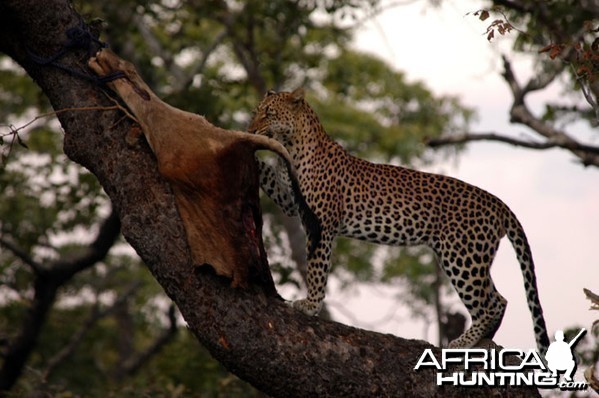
(254, 335)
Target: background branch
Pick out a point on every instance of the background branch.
(134, 364)
(521, 114)
(48, 280)
(464, 138)
(20, 254)
(107, 235)
(96, 314)
(242, 48)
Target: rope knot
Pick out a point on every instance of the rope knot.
(78, 37)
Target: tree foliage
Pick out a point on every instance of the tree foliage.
(561, 38)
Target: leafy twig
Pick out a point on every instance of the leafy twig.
(586, 91)
(501, 25)
(14, 131)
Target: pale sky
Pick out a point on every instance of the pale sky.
(556, 199)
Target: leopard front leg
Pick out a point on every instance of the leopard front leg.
(319, 266)
(275, 182)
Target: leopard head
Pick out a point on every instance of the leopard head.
(275, 116)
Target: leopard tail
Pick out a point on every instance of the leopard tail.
(309, 218)
(517, 237)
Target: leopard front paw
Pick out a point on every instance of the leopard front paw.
(308, 307)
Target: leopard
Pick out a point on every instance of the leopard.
(393, 205)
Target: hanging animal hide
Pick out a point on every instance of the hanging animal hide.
(212, 172)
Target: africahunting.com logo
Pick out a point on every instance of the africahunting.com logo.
(508, 367)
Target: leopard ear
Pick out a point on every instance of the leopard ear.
(298, 94)
(269, 93)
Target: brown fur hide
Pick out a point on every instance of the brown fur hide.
(212, 172)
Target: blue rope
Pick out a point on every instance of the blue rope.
(78, 37)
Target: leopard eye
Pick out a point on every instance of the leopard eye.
(269, 111)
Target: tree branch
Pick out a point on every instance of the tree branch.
(68, 350)
(21, 254)
(96, 314)
(471, 137)
(587, 92)
(520, 113)
(158, 49)
(47, 281)
(542, 14)
(245, 55)
(539, 9)
(201, 64)
(134, 364)
(108, 233)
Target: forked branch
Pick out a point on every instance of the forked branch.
(520, 114)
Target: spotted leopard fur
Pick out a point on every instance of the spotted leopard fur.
(394, 205)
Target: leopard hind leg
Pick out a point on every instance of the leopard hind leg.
(469, 275)
(486, 319)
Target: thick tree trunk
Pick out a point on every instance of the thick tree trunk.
(253, 334)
